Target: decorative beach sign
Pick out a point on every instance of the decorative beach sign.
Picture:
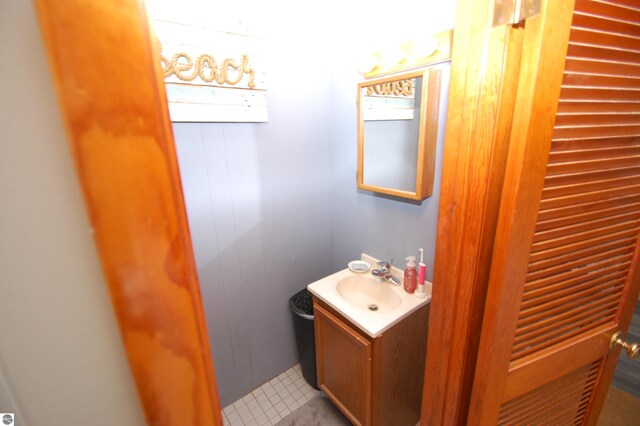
(214, 72)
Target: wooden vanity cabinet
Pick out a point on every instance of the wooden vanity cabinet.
(372, 381)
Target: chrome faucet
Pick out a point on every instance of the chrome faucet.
(384, 273)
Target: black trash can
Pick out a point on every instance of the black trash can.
(301, 305)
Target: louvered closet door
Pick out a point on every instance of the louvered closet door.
(565, 269)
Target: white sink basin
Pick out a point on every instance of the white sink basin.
(368, 292)
(352, 295)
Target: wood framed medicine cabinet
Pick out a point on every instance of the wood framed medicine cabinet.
(397, 132)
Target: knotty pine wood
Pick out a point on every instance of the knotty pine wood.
(396, 366)
(111, 93)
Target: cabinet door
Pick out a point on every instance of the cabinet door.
(344, 365)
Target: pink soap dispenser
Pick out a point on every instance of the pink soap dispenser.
(410, 275)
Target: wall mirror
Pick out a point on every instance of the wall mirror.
(397, 132)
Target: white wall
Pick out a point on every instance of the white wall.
(62, 361)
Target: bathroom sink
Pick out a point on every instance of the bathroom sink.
(367, 292)
(371, 304)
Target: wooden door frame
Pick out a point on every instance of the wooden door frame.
(538, 91)
(106, 115)
(484, 76)
(110, 88)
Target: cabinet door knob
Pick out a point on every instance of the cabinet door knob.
(632, 349)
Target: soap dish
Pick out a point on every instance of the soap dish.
(359, 266)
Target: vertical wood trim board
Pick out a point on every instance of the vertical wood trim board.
(112, 96)
(485, 66)
(571, 197)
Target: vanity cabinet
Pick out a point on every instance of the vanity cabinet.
(373, 381)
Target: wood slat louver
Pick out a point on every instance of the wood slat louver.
(563, 401)
(589, 214)
(565, 267)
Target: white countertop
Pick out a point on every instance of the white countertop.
(373, 323)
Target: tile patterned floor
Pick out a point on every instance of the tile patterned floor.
(271, 402)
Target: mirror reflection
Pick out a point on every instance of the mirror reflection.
(397, 129)
(391, 120)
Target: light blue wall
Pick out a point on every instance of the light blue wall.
(260, 209)
(273, 207)
(382, 226)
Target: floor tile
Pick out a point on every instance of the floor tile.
(274, 399)
(284, 393)
(270, 402)
(284, 413)
(246, 418)
(271, 413)
(266, 386)
(237, 422)
(253, 403)
(288, 400)
(233, 418)
(243, 410)
(266, 405)
(262, 419)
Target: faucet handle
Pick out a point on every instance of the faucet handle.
(384, 265)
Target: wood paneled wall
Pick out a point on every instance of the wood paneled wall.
(258, 202)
